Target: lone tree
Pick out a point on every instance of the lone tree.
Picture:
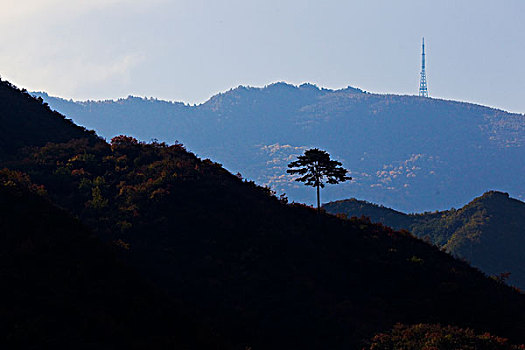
(316, 168)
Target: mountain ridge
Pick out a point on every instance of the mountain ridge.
(487, 231)
(408, 152)
(303, 86)
(278, 84)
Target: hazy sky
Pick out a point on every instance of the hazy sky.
(188, 50)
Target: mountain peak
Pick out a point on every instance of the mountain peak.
(494, 195)
(282, 86)
(492, 200)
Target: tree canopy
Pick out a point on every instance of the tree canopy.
(316, 168)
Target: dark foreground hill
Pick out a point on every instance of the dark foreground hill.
(489, 231)
(26, 121)
(409, 153)
(63, 288)
(259, 272)
(256, 271)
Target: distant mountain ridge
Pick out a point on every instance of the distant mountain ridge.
(410, 153)
(489, 231)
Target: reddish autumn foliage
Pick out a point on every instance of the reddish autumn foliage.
(437, 337)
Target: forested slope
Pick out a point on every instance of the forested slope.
(489, 231)
(26, 121)
(63, 288)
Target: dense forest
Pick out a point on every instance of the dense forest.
(150, 243)
(489, 232)
(409, 153)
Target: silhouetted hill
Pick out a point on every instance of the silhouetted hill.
(376, 213)
(410, 153)
(62, 288)
(261, 273)
(489, 231)
(26, 121)
(258, 272)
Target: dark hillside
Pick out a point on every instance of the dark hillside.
(262, 273)
(28, 121)
(63, 288)
(376, 213)
(489, 231)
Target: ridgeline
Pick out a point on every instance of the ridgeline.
(489, 232)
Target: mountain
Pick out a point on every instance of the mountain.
(63, 288)
(34, 122)
(258, 272)
(410, 153)
(376, 213)
(489, 231)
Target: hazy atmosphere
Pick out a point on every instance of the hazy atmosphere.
(189, 50)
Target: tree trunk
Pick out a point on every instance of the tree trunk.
(318, 200)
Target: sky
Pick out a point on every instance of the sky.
(189, 50)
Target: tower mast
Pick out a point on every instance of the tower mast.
(423, 91)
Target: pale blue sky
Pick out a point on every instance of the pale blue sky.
(188, 50)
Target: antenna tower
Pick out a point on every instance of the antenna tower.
(423, 91)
